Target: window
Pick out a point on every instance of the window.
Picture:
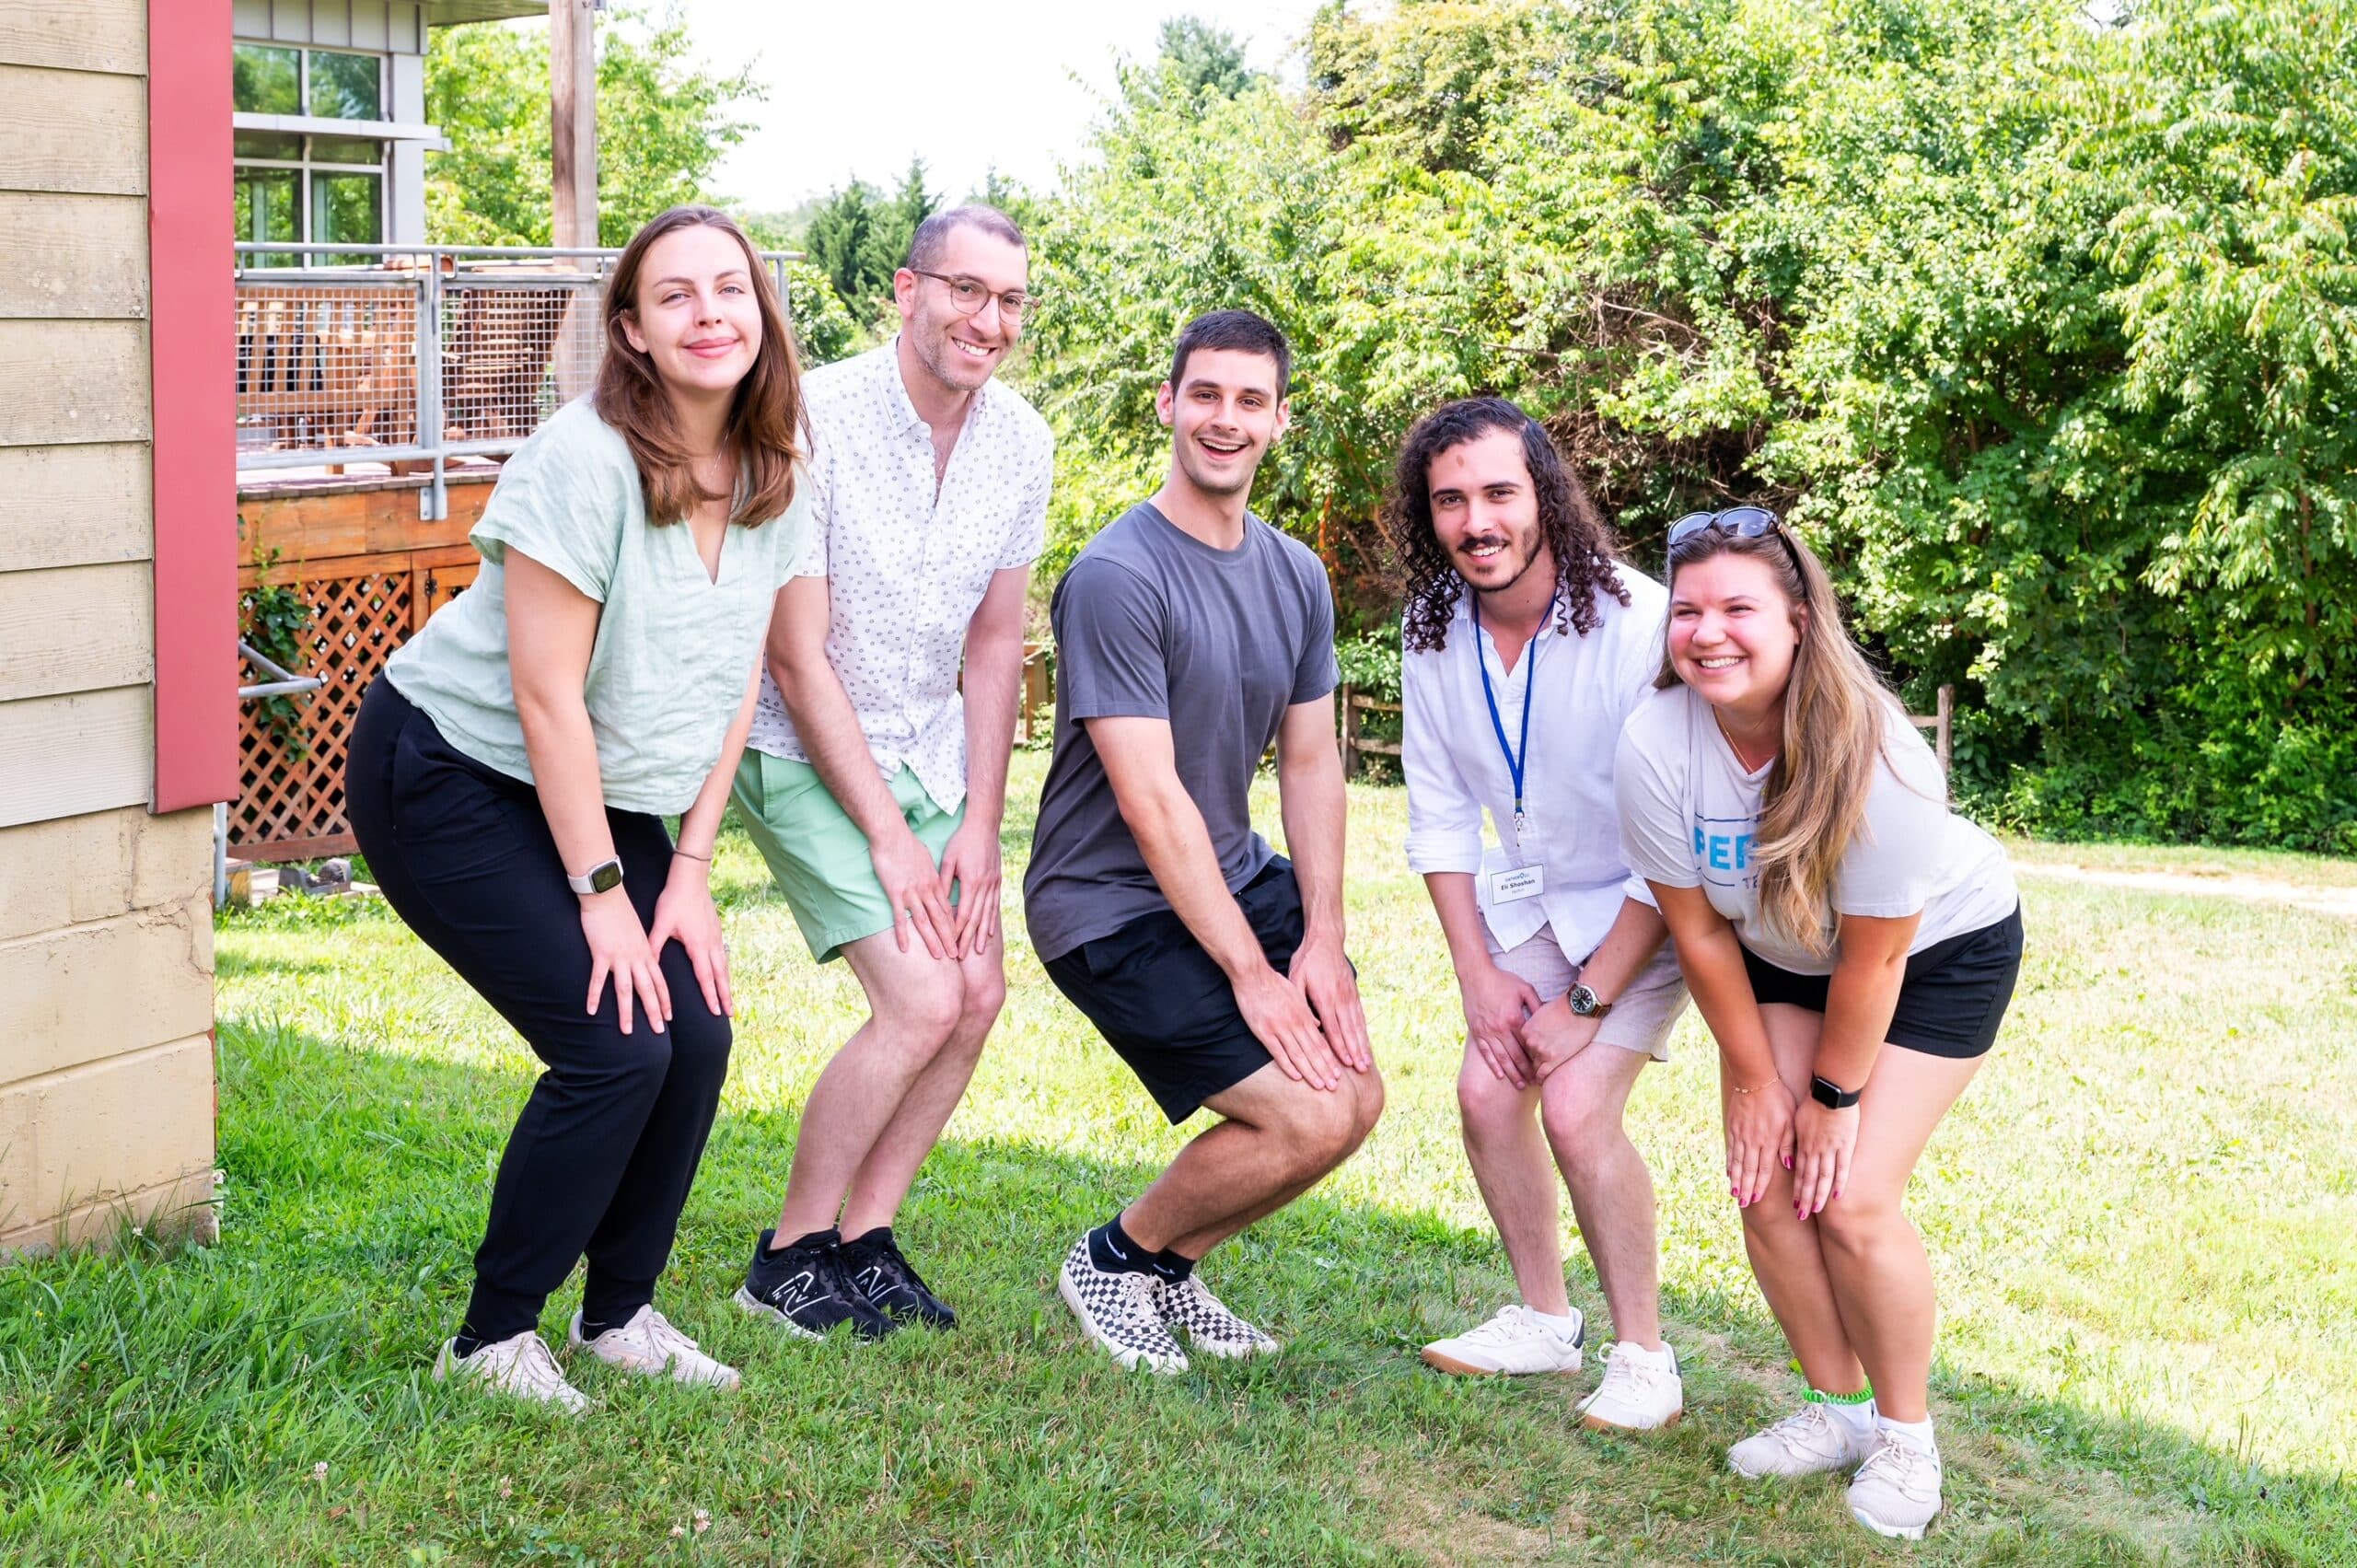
(306, 189)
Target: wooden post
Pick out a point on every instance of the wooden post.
(1946, 732)
(572, 106)
(1350, 737)
(572, 179)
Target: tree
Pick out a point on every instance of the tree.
(1197, 63)
(858, 236)
(663, 127)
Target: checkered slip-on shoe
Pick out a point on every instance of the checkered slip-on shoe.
(1210, 1327)
(1117, 1310)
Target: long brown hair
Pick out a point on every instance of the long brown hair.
(1573, 527)
(1837, 714)
(765, 418)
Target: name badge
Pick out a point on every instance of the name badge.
(1513, 886)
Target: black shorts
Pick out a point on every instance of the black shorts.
(1160, 1001)
(1951, 1002)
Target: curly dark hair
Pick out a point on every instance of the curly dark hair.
(1575, 529)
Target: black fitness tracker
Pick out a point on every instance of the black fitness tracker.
(604, 877)
(1832, 1096)
(1584, 1002)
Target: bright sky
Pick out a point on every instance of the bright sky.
(856, 88)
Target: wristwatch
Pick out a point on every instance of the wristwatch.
(1584, 1002)
(1832, 1096)
(604, 877)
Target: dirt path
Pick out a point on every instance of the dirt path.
(2329, 901)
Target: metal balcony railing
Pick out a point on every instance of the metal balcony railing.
(413, 355)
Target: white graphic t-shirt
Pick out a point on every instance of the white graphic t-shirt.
(1689, 815)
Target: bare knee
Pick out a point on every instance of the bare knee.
(1320, 1128)
(1580, 1130)
(1855, 1225)
(1486, 1103)
(922, 1014)
(984, 993)
(1369, 1102)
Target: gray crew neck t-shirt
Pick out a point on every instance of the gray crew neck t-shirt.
(1151, 622)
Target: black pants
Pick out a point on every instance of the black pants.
(601, 1159)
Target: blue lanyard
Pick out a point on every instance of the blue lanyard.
(1515, 760)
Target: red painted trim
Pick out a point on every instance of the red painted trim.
(192, 348)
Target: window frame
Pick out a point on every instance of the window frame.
(306, 166)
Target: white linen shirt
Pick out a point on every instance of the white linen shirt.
(1587, 686)
(907, 564)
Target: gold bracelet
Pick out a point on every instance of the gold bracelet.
(1755, 1089)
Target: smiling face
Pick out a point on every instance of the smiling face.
(962, 352)
(1732, 633)
(1485, 511)
(1222, 417)
(696, 315)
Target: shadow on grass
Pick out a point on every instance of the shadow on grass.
(270, 1398)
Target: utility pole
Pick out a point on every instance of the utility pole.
(572, 103)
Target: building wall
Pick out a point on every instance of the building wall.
(106, 946)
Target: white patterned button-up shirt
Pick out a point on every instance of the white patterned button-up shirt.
(906, 566)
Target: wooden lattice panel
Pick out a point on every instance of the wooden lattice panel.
(292, 804)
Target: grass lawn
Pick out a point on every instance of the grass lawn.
(2143, 1217)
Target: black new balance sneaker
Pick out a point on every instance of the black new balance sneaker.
(807, 1290)
(890, 1286)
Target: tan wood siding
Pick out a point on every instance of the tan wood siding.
(92, 991)
(88, 35)
(84, 383)
(72, 256)
(77, 629)
(73, 131)
(68, 755)
(99, 866)
(107, 1127)
(71, 505)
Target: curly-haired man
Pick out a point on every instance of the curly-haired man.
(1515, 693)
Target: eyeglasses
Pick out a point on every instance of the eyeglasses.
(1736, 522)
(966, 296)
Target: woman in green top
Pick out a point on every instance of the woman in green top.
(510, 773)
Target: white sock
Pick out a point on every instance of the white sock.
(1565, 1328)
(1858, 1420)
(1918, 1433)
(1662, 1357)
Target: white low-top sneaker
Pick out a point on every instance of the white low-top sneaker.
(1516, 1340)
(650, 1345)
(1808, 1442)
(1640, 1391)
(520, 1365)
(1119, 1311)
(1897, 1491)
(1211, 1326)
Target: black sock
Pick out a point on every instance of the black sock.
(880, 1236)
(821, 1239)
(466, 1342)
(1173, 1266)
(593, 1327)
(1110, 1249)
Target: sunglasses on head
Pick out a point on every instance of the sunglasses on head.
(1736, 522)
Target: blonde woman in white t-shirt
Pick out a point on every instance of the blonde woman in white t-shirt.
(1852, 946)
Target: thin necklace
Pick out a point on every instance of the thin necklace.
(1747, 765)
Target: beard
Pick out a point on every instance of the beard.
(1520, 553)
(946, 364)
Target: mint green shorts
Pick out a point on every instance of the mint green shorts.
(819, 856)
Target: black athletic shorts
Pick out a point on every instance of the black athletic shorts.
(1951, 1002)
(1167, 1008)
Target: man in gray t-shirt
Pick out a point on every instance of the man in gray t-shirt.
(1189, 635)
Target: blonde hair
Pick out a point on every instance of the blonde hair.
(1837, 714)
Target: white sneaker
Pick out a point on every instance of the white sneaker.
(1896, 1490)
(1640, 1391)
(1808, 1442)
(520, 1365)
(1516, 1340)
(649, 1344)
(1212, 1326)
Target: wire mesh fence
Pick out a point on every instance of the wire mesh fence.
(411, 356)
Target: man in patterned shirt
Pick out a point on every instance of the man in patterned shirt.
(872, 787)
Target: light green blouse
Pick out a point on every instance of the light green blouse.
(674, 647)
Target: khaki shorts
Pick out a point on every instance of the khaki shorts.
(1642, 1017)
